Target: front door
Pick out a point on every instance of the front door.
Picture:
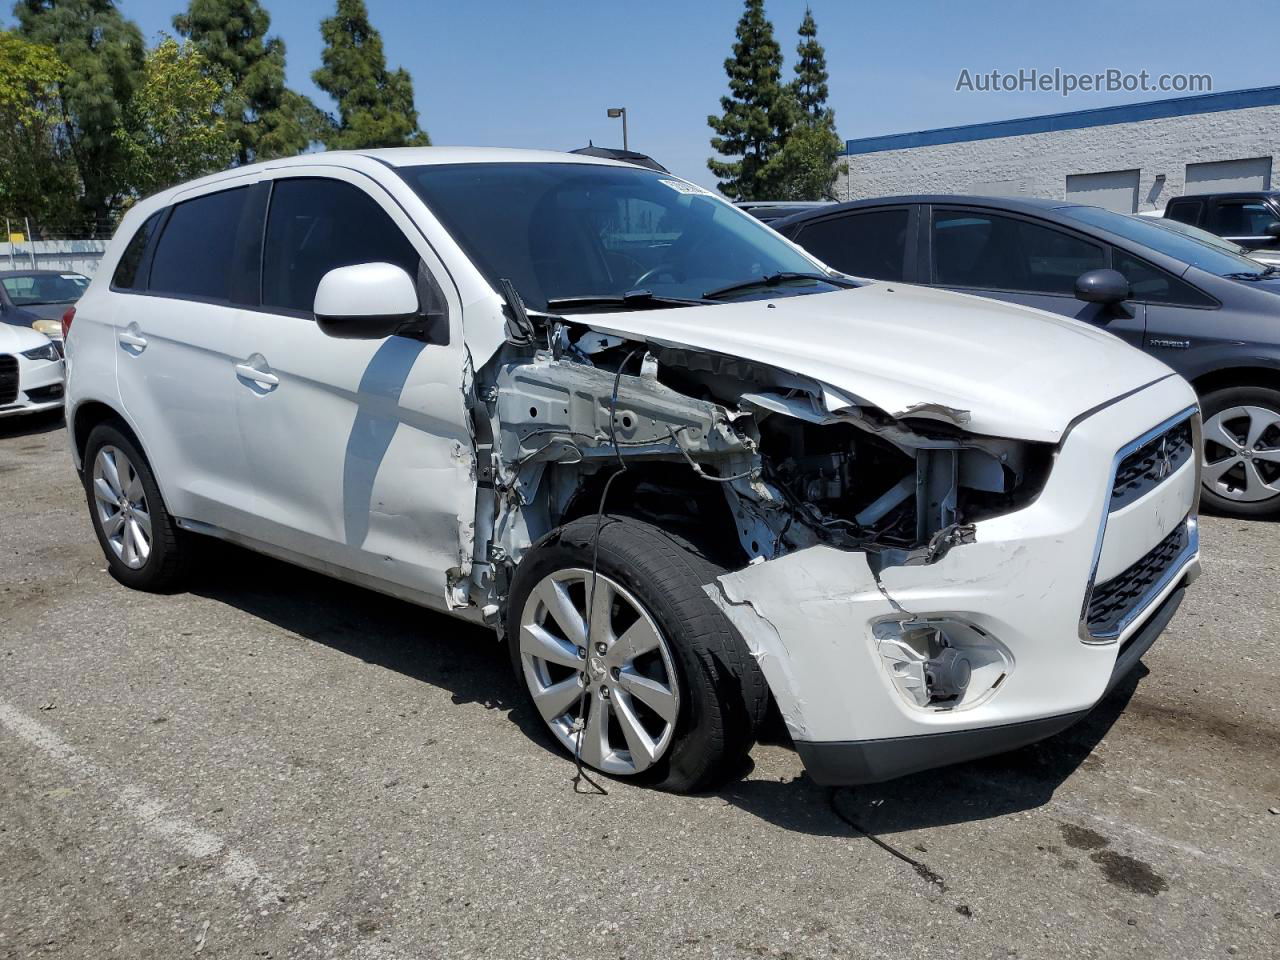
(359, 449)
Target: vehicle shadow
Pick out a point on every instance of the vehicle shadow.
(464, 660)
(996, 786)
(460, 658)
(31, 424)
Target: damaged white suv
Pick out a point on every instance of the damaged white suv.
(681, 468)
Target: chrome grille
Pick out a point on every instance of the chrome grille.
(8, 379)
(1153, 462)
(1112, 602)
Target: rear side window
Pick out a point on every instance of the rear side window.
(317, 225)
(871, 244)
(976, 249)
(126, 275)
(196, 256)
(1185, 211)
(1152, 285)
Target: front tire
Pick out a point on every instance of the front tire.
(1241, 456)
(144, 548)
(673, 697)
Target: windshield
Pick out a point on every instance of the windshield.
(1195, 233)
(33, 288)
(1198, 254)
(563, 231)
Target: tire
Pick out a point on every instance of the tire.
(165, 563)
(1241, 482)
(647, 572)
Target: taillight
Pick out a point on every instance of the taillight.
(66, 322)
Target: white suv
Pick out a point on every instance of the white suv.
(680, 467)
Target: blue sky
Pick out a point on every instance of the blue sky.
(541, 74)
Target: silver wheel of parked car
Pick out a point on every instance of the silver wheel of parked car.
(1242, 453)
(632, 695)
(122, 506)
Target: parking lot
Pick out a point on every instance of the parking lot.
(276, 764)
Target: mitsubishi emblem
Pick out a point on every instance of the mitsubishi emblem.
(1164, 464)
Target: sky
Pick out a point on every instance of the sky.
(541, 73)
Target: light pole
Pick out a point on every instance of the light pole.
(614, 114)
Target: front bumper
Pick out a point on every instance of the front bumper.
(39, 387)
(811, 618)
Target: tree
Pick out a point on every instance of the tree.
(758, 113)
(35, 180)
(103, 54)
(375, 106)
(810, 85)
(805, 167)
(264, 117)
(173, 128)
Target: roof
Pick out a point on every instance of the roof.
(17, 272)
(1074, 120)
(1023, 204)
(626, 156)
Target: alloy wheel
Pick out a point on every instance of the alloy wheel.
(121, 505)
(632, 696)
(1241, 459)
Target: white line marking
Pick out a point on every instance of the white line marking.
(236, 869)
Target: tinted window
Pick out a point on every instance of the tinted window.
(566, 230)
(196, 255)
(872, 244)
(1233, 218)
(1187, 211)
(1171, 244)
(1152, 285)
(316, 225)
(972, 249)
(126, 275)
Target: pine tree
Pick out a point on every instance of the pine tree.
(758, 113)
(375, 105)
(811, 70)
(103, 54)
(264, 118)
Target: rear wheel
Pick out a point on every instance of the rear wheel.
(668, 692)
(1241, 457)
(142, 543)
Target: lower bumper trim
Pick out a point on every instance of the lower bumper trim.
(849, 762)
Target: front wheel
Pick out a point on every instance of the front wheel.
(1241, 456)
(668, 693)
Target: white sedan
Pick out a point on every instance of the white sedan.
(31, 372)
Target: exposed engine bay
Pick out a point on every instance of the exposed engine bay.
(710, 441)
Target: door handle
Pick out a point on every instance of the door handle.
(131, 338)
(250, 371)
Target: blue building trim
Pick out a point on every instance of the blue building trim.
(1075, 120)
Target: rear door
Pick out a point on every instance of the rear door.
(360, 449)
(176, 331)
(878, 243)
(1023, 260)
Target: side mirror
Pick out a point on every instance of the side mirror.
(366, 301)
(1103, 286)
(1273, 229)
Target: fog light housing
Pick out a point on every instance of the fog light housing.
(943, 663)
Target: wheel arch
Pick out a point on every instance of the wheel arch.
(1237, 376)
(89, 414)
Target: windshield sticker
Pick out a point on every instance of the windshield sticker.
(679, 186)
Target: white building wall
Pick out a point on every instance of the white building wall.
(1038, 164)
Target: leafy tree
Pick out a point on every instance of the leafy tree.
(173, 128)
(805, 167)
(103, 54)
(35, 180)
(811, 70)
(758, 113)
(264, 117)
(375, 105)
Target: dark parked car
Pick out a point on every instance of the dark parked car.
(39, 298)
(1211, 315)
(1250, 219)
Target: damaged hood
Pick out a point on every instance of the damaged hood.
(992, 367)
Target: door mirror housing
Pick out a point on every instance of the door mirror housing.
(365, 301)
(1273, 230)
(1103, 286)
